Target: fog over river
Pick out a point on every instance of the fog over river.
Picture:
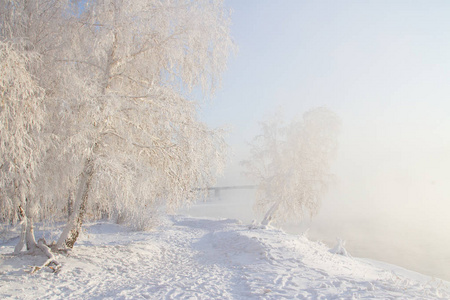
(417, 244)
(383, 67)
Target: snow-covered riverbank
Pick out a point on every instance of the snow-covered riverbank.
(193, 258)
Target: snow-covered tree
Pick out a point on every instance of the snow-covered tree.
(142, 60)
(36, 28)
(292, 163)
(122, 79)
(21, 118)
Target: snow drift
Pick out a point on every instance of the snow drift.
(206, 259)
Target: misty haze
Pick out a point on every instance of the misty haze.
(382, 67)
(224, 149)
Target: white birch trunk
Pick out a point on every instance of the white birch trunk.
(71, 231)
(30, 239)
(23, 233)
(26, 234)
(269, 215)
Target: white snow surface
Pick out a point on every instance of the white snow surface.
(198, 258)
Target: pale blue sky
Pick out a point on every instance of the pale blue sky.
(382, 66)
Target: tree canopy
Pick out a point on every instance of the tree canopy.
(291, 164)
(111, 98)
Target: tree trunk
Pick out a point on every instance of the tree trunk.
(269, 215)
(30, 239)
(23, 232)
(72, 230)
(69, 205)
(27, 232)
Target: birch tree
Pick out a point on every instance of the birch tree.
(291, 164)
(21, 118)
(125, 80)
(31, 33)
(143, 59)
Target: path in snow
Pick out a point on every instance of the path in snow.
(189, 258)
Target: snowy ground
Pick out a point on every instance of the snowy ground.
(192, 258)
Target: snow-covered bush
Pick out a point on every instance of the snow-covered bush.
(339, 248)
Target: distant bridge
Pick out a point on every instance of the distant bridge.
(217, 189)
